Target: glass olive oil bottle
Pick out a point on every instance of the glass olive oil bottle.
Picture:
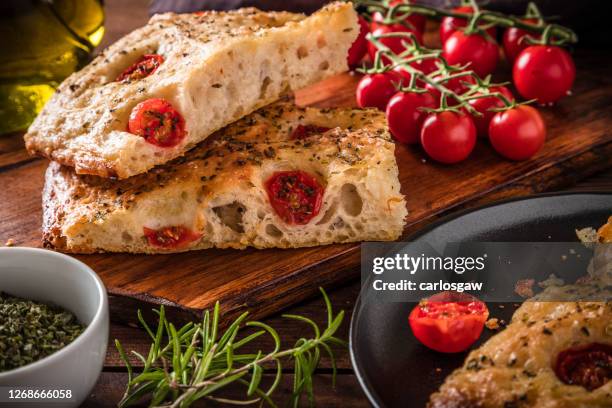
(42, 42)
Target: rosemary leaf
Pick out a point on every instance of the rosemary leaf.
(197, 361)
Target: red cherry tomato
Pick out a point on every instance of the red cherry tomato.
(517, 133)
(481, 53)
(158, 122)
(394, 44)
(425, 65)
(305, 131)
(484, 106)
(417, 21)
(449, 25)
(448, 322)
(170, 237)
(144, 67)
(360, 45)
(458, 85)
(514, 40)
(448, 137)
(375, 90)
(589, 365)
(544, 72)
(296, 196)
(405, 116)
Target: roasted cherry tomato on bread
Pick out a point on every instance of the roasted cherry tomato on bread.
(405, 114)
(479, 52)
(170, 237)
(588, 365)
(296, 196)
(544, 72)
(305, 131)
(450, 25)
(448, 322)
(517, 133)
(375, 90)
(359, 48)
(448, 137)
(515, 40)
(142, 68)
(158, 122)
(484, 106)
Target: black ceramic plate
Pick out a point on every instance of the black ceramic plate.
(394, 369)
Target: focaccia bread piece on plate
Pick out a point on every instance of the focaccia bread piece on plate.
(159, 91)
(522, 366)
(280, 177)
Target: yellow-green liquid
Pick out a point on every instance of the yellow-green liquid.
(41, 43)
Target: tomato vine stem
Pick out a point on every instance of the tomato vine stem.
(396, 14)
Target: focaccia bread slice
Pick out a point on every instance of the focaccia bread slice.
(210, 69)
(336, 180)
(518, 366)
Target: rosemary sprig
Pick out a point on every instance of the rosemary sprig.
(196, 361)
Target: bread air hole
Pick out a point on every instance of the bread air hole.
(264, 86)
(352, 204)
(272, 231)
(331, 211)
(302, 52)
(231, 215)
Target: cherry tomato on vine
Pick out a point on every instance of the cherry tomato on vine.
(158, 122)
(514, 40)
(544, 72)
(295, 196)
(517, 133)
(375, 90)
(458, 85)
(448, 322)
(359, 48)
(484, 106)
(415, 20)
(477, 50)
(394, 44)
(448, 137)
(405, 115)
(426, 66)
(449, 25)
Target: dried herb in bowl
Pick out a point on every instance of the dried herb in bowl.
(31, 330)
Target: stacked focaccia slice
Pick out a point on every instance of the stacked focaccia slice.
(159, 91)
(280, 177)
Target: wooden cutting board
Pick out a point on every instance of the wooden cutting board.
(265, 281)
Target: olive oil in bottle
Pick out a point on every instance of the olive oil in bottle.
(43, 41)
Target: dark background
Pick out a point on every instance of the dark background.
(589, 18)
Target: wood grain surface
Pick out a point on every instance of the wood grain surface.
(20, 181)
(263, 281)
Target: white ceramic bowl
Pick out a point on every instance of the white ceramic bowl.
(48, 276)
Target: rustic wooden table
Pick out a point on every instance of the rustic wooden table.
(122, 17)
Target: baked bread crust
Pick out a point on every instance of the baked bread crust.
(218, 188)
(217, 68)
(515, 367)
